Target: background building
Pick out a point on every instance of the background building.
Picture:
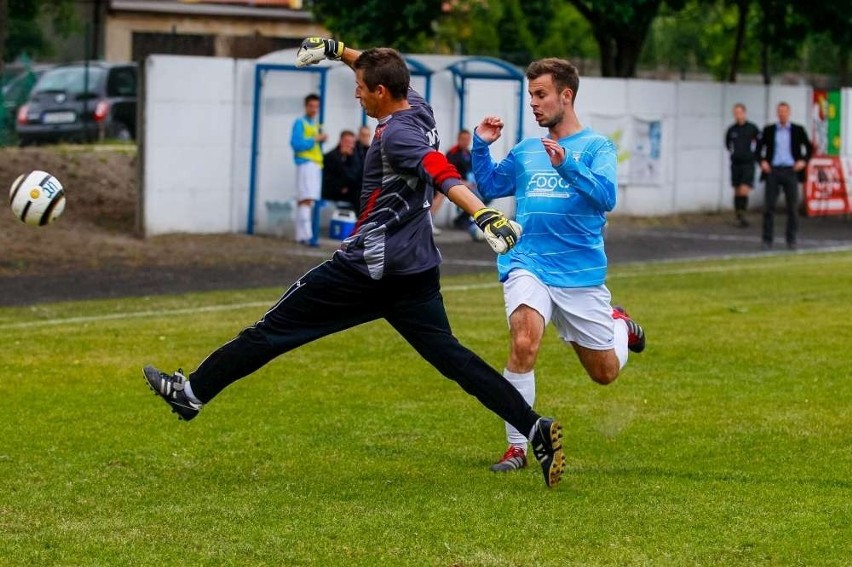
(125, 30)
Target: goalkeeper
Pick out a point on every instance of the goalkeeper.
(387, 269)
(564, 185)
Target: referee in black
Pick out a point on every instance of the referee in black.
(741, 141)
(783, 151)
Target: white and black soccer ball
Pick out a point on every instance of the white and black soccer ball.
(37, 198)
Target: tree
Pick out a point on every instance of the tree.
(620, 28)
(832, 24)
(404, 25)
(701, 36)
(516, 30)
(516, 41)
(468, 28)
(4, 32)
(21, 31)
(526, 30)
(780, 31)
(742, 19)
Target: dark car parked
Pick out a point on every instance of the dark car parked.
(17, 88)
(81, 102)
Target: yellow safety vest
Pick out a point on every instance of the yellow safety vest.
(315, 153)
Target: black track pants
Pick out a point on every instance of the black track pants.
(781, 179)
(333, 297)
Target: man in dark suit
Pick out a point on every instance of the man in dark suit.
(342, 171)
(783, 152)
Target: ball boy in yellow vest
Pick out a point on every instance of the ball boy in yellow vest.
(306, 140)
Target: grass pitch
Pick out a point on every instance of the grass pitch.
(727, 442)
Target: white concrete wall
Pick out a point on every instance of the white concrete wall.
(198, 120)
(699, 148)
(189, 121)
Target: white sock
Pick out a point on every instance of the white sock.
(621, 351)
(525, 384)
(304, 230)
(187, 389)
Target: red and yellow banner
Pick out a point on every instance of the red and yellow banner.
(826, 185)
(826, 189)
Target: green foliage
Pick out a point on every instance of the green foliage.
(622, 14)
(570, 36)
(725, 443)
(525, 30)
(537, 16)
(620, 28)
(687, 35)
(516, 40)
(701, 37)
(468, 29)
(25, 32)
(829, 37)
(406, 26)
(781, 26)
(698, 37)
(821, 53)
(516, 30)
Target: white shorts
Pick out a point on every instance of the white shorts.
(581, 315)
(308, 181)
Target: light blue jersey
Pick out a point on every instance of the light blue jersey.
(562, 210)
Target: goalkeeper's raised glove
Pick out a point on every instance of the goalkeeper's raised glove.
(500, 232)
(315, 49)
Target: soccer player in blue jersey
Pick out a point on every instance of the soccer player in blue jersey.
(564, 184)
(387, 269)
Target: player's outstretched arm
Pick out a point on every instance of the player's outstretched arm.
(349, 56)
(315, 49)
(501, 233)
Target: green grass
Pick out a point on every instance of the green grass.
(728, 442)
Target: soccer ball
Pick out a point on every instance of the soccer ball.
(37, 198)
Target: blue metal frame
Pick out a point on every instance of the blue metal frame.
(417, 68)
(260, 71)
(461, 75)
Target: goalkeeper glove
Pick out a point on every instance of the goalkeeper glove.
(315, 49)
(501, 233)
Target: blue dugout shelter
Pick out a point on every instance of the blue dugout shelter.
(461, 70)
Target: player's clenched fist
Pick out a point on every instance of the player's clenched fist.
(315, 49)
(490, 129)
(501, 233)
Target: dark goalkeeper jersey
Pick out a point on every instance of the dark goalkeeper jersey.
(402, 170)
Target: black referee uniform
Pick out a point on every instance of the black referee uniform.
(741, 142)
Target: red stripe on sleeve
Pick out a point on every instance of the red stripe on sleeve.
(436, 165)
(368, 208)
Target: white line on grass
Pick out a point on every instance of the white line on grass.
(131, 315)
(170, 312)
(683, 235)
(782, 261)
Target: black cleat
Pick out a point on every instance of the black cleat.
(170, 389)
(547, 448)
(635, 332)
